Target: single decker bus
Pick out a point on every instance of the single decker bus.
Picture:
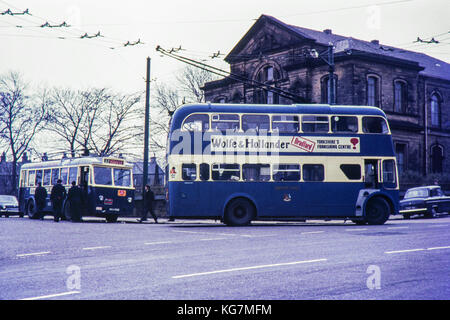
(239, 163)
(106, 183)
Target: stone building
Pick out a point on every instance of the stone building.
(412, 88)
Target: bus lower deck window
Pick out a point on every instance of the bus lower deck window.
(226, 172)
(286, 172)
(313, 172)
(189, 172)
(351, 171)
(256, 172)
(204, 171)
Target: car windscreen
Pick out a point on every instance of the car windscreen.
(417, 193)
(8, 199)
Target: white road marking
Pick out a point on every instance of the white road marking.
(360, 229)
(438, 248)
(312, 232)
(248, 268)
(32, 254)
(408, 250)
(159, 242)
(53, 295)
(211, 239)
(95, 248)
(398, 227)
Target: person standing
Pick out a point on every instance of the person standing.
(74, 196)
(40, 196)
(57, 197)
(149, 197)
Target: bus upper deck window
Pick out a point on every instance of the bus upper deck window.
(285, 124)
(315, 124)
(196, 122)
(257, 123)
(225, 121)
(374, 125)
(344, 124)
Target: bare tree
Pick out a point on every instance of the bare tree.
(166, 99)
(117, 126)
(66, 116)
(95, 119)
(21, 117)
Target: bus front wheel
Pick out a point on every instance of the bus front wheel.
(239, 212)
(377, 211)
(31, 210)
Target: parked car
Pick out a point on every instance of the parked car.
(9, 206)
(429, 201)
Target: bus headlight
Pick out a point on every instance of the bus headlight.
(100, 197)
(130, 199)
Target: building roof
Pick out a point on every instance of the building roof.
(432, 67)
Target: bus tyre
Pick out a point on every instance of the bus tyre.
(239, 212)
(377, 211)
(66, 212)
(31, 210)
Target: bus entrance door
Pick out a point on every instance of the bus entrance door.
(371, 174)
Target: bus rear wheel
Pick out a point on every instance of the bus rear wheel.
(239, 212)
(377, 211)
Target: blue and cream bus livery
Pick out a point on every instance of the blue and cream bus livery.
(240, 163)
(106, 183)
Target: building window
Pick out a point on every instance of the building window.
(400, 96)
(437, 157)
(326, 90)
(269, 75)
(373, 91)
(400, 151)
(435, 110)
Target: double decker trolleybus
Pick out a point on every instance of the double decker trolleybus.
(106, 183)
(240, 163)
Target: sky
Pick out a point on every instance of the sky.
(59, 57)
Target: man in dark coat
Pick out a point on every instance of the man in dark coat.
(74, 196)
(149, 197)
(57, 197)
(40, 196)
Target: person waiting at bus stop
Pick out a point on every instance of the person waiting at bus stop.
(57, 197)
(40, 196)
(149, 197)
(74, 196)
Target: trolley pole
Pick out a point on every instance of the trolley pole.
(146, 129)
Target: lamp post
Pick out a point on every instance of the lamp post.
(328, 57)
